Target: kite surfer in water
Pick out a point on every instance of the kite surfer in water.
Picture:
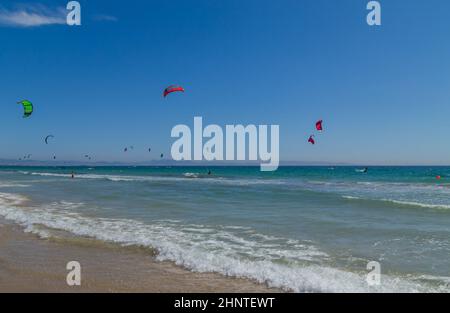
(73, 175)
(363, 170)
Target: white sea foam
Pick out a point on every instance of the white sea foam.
(191, 175)
(10, 199)
(404, 203)
(11, 185)
(423, 195)
(278, 262)
(185, 177)
(419, 204)
(351, 197)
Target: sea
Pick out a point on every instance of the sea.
(301, 229)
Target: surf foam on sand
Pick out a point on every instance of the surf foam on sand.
(200, 249)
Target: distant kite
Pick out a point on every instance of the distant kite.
(27, 108)
(171, 89)
(47, 138)
(162, 155)
(319, 125)
(311, 140)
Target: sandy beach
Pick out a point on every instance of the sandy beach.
(31, 264)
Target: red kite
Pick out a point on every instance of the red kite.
(171, 89)
(311, 140)
(319, 125)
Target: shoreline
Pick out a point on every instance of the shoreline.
(32, 264)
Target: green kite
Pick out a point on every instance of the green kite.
(27, 108)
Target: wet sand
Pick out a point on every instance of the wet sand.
(32, 264)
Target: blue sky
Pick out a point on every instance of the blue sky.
(383, 92)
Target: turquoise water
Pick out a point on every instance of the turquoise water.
(299, 228)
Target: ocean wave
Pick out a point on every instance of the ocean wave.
(183, 178)
(289, 264)
(403, 203)
(115, 178)
(351, 197)
(418, 204)
(191, 175)
(431, 196)
(368, 185)
(10, 199)
(11, 185)
(425, 195)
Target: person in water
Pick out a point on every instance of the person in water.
(365, 170)
(73, 175)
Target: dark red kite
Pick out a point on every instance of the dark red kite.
(319, 125)
(311, 140)
(171, 89)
